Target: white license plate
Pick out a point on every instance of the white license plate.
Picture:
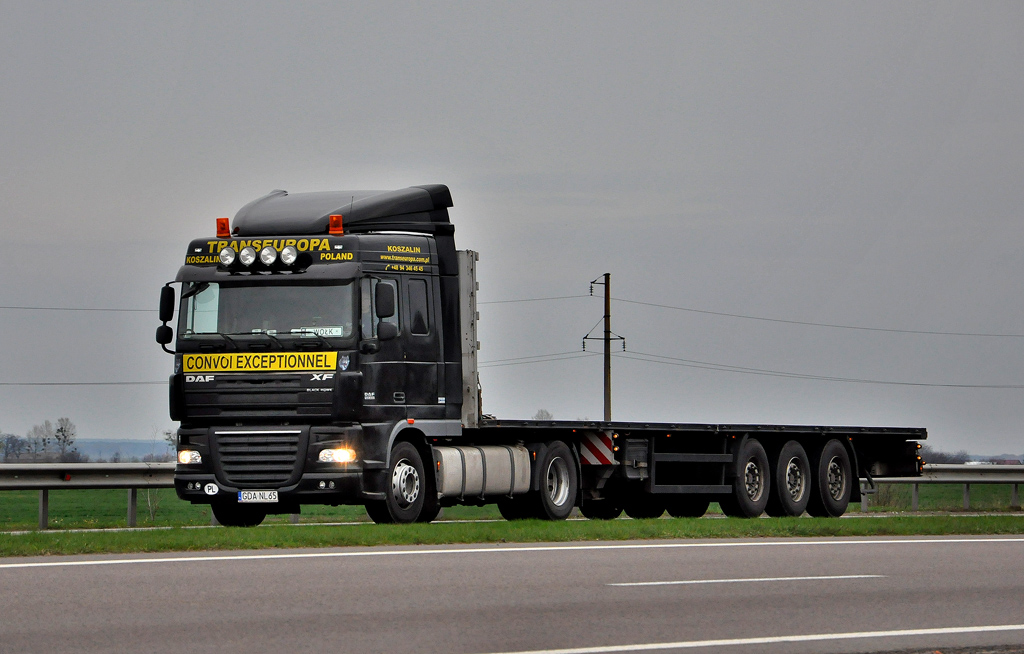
(257, 496)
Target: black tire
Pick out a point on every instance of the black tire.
(833, 481)
(237, 515)
(429, 513)
(408, 492)
(791, 482)
(517, 507)
(688, 506)
(644, 506)
(559, 483)
(600, 509)
(751, 483)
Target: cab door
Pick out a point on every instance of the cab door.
(422, 348)
(384, 371)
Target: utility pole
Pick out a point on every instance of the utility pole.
(607, 347)
(609, 336)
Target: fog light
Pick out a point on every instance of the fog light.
(189, 456)
(227, 256)
(339, 455)
(323, 485)
(289, 255)
(247, 256)
(268, 255)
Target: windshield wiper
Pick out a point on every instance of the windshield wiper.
(302, 332)
(225, 337)
(255, 332)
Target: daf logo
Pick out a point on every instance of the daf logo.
(199, 378)
(322, 376)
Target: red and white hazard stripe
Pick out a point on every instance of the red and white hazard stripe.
(596, 449)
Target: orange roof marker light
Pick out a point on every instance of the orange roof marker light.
(335, 226)
(223, 228)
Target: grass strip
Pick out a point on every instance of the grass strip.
(524, 531)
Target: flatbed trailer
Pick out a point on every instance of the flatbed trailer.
(326, 353)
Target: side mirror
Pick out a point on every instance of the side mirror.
(384, 299)
(164, 334)
(387, 331)
(166, 304)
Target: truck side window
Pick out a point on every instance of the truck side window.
(368, 316)
(419, 312)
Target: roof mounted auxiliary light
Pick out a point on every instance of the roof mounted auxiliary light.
(247, 256)
(227, 256)
(289, 254)
(335, 228)
(223, 228)
(268, 255)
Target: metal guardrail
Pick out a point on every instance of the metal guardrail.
(940, 473)
(45, 477)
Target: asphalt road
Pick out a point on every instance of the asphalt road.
(814, 595)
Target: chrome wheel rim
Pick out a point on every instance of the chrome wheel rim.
(405, 483)
(753, 480)
(796, 482)
(836, 478)
(558, 481)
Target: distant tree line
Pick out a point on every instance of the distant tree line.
(43, 443)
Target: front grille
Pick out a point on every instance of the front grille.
(260, 459)
(255, 396)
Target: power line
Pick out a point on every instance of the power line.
(575, 355)
(24, 308)
(119, 383)
(532, 299)
(719, 367)
(816, 324)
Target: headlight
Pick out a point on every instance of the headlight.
(289, 255)
(189, 456)
(247, 256)
(339, 455)
(268, 255)
(227, 256)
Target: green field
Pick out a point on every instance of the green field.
(98, 509)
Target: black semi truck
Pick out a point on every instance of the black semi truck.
(326, 353)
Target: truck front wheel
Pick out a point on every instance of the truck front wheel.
(750, 484)
(408, 493)
(833, 481)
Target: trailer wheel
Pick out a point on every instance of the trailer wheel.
(688, 506)
(600, 509)
(751, 484)
(408, 493)
(516, 507)
(235, 515)
(833, 481)
(791, 482)
(558, 483)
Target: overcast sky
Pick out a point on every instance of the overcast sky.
(854, 164)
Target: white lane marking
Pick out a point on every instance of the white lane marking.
(695, 582)
(771, 640)
(497, 549)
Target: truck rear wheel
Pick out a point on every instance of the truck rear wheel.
(688, 506)
(558, 483)
(833, 481)
(791, 482)
(237, 515)
(600, 509)
(751, 483)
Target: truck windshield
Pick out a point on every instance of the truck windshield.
(325, 310)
